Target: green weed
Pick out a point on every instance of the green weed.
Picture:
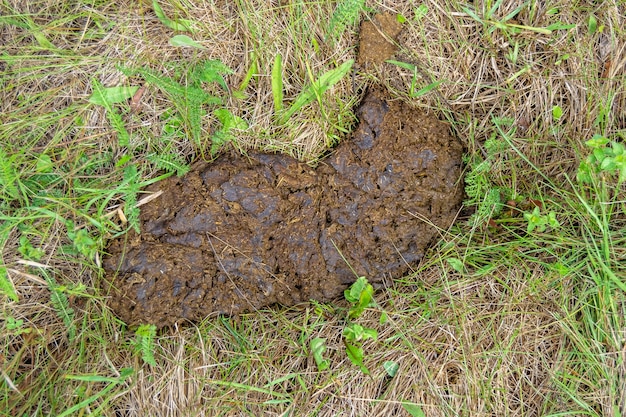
(60, 302)
(225, 134)
(277, 83)
(492, 23)
(360, 296)
(315, 90)
(602, 159)
(6, 286)
(346, 14)
(16, 326)
(144, 342)
(318, 347)
(107, 97)
(190, 100)
(8, 177)
(480, 191)
(539, 221)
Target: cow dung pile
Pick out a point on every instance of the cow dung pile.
(245, 232)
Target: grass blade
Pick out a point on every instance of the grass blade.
(323, 83)
(180, 25)
(186, 41)
(426, 90)
(413, 409)
(277, 83)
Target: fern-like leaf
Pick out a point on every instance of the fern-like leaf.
(477, 181)
(346, 14)
(8, 176)
(145, 342)
(62, 307)
(482, 193)
(169, 162)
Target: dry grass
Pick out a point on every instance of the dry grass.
(509, 336)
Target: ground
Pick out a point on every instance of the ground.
(517, 308)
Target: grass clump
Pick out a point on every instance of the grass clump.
(518, 311)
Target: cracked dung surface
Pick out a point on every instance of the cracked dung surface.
(243, 233)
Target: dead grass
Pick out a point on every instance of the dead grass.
(508, 337)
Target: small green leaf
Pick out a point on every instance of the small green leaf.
(456, 264)
(618, 148)
(211, 71)
(251, 73)
(224, 135)
(44, 164)
(28, 251)
(557, 112)
(562, 269)
(352, 332)
(597, 141)
(123, 160)
(592, 25)
(400, 18)
(413, 409)
(353, 293)
(608, 164)
(229, 121)
(83, 242)
(144, 342)
(535, 220)
(355, 354)
(356, 333)
(391, 368)
(365, 300)
(106, 96)
(552, 221)
(369, 333)
(318, 347)
(421, 11)
(185, 41)
(6, 286)
(384, 318)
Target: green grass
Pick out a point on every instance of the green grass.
(520, 309)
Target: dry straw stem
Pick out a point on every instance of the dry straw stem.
(502, 340)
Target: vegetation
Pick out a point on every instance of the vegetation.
(520, 309)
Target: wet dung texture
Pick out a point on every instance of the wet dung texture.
(243, 233)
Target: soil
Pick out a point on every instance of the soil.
(243, 233)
